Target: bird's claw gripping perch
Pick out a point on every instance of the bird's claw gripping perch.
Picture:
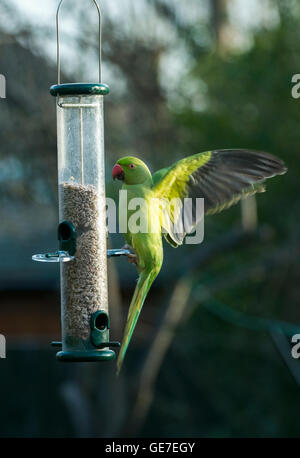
(126, 250)
(133, 259)
(132, 256)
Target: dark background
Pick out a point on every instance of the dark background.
(211, 352)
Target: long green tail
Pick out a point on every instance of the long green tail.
(143, 285)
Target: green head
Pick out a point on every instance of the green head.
(131, 170)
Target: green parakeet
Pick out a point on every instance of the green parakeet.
(221, 177)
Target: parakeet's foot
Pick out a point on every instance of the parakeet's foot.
(132, 257)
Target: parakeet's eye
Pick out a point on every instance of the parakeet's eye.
(131, 166)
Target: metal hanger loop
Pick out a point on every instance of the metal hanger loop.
(58, 47)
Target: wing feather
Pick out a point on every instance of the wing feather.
(220, 177)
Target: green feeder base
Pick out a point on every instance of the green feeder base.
(85, 356)
(94, 348)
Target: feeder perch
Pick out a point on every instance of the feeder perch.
(82, 235)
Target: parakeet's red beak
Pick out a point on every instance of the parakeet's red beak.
(118, 172)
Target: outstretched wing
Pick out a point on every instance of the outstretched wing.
(220, 177)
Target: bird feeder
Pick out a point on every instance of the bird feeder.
(82, 233)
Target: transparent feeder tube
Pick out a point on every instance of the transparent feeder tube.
(80, 131)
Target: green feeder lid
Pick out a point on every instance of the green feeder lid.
(79, 89)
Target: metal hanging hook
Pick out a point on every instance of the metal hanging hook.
(57, 39)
